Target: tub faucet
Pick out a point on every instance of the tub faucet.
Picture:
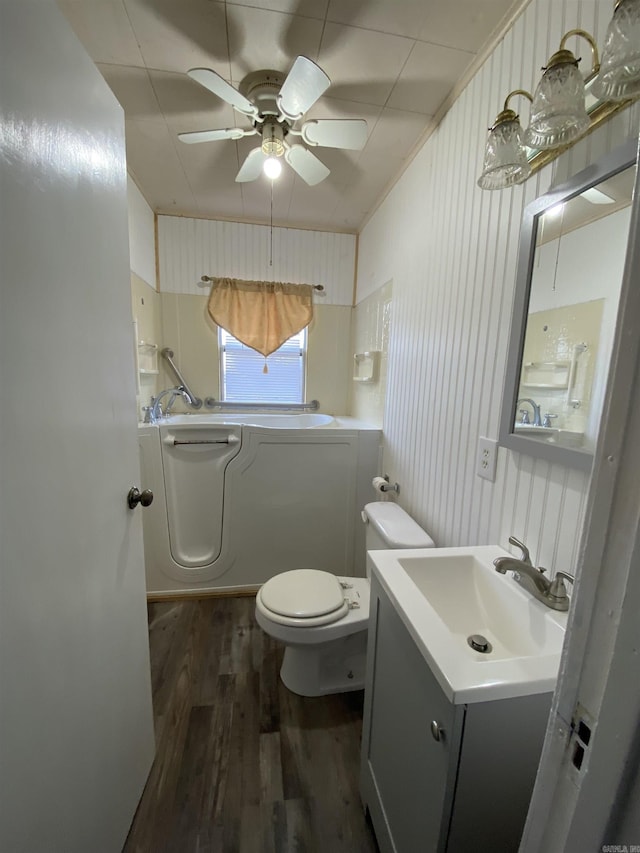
(156, 409)
(537, 419)
(551, 593)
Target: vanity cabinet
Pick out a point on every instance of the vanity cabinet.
(440, 776)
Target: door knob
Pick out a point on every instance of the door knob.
(135, 497)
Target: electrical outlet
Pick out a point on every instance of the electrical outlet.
(486, 458)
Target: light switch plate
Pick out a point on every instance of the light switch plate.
(486, 459)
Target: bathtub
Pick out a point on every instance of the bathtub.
(240, 498)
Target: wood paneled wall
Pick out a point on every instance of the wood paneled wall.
(451, 249)
(189, 248)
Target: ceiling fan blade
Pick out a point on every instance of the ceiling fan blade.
(306, 164)
(350, 133)
(214, 135)
(302, 87)
(219, 86)
(251, 169)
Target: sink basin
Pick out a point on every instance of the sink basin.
(565, 437)
(446, 595)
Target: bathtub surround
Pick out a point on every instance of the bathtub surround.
(189, 248)
(145, 300)
(193, 337)
(370, 330)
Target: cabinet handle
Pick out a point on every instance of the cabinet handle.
(437, 731)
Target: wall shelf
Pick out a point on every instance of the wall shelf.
(147, 358)
(365, 366)
(548, 375)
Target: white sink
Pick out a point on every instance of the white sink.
(552, 435)
(445, 595)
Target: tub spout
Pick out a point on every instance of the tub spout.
(156, 410)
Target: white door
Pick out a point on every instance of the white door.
(76, 730)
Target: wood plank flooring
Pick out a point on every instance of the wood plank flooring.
(243, 765)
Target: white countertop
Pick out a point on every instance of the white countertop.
(522, 667)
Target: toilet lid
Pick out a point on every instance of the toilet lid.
(303, 593)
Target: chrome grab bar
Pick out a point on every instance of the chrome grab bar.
(224, 405)
(195, 402)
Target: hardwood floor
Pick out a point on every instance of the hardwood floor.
(242, 764)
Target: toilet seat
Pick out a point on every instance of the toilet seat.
(304, 598)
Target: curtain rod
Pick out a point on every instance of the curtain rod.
(207, 278)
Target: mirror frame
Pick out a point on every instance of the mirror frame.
(610, 164)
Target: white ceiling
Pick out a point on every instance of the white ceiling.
(391, 62)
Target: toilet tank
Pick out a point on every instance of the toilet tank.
(390, 527)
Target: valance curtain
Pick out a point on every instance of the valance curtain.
(261, 314)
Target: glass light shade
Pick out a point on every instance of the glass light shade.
(272, 168)
(619, 76)
(558, 112)
(273, 140)
(505, 158)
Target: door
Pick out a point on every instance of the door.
(76, 731)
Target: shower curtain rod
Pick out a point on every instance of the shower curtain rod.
(207, 278)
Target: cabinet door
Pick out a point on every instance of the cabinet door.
(412, 772)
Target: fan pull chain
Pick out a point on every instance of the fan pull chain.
(271, 233)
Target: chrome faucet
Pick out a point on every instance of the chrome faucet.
(537, 419)
(552, 593)
(156, 409)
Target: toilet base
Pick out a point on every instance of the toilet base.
(337, 666)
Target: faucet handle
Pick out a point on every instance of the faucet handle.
(557, 588)
(525, 417)
(526, 558)
(546, 422)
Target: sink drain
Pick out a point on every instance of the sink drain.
(479, 643)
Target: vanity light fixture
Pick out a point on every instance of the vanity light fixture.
(619, 76)
(505, 157)
(558, 112)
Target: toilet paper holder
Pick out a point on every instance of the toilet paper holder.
(382, 484)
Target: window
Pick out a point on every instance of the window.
(241, 371)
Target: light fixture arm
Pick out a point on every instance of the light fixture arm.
(515, 92)
(507, 113)
(595, 58)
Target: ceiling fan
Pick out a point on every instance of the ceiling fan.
(275, 105)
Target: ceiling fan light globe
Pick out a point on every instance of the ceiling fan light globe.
(273, 140)
(272, 168)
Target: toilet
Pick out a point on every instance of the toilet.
(323, 619)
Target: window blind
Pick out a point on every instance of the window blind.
(243, 380)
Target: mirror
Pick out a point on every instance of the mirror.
(571, 266)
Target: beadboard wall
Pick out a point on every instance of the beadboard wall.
(189, 248)
(451, 249)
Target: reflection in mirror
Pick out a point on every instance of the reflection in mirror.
(571, 269)
(575, 287)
